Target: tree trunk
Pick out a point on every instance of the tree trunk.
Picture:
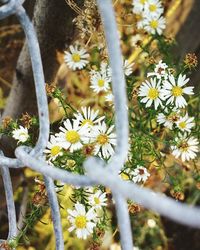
(53, 23)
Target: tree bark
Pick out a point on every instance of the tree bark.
(53, 23)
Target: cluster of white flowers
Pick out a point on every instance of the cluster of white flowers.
(77, 58)
(173, 118)
(150, 12)
(164, 89)
(86, 128)
(84, 222)
(101, 79)
(167, 92)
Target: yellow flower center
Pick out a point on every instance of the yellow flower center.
(173, 117)
(76, 57)
(154, 24)
(102, 139)
(177, 91)
(87, 121)
(22, 134)
(143, 1)
(101, 82)
(55, 150)
(80, 221)
(183, 146)
(182, 125)
(152, 7)
(72, 136)
(96, 200)
(153, 93)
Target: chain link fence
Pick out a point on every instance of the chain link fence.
(106, 175)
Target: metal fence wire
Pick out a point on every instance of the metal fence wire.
(106, 175)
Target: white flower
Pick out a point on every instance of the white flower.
(138, 6)
(151, 223)
(185, 123)
(128, 68)
(159, 71)
(151, 93)
(135, 40)
(54, 148)
(20, 134)
(153, 8)
(104, 140)
(81, 221)
(140, 174)
(76, 58)
(154, 24)
(186, 147)
(72, 136)
(168, 120)
(98, 199)
(99, 82)
(173, 90)
(88, 117)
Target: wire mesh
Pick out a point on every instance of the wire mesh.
(106, 175)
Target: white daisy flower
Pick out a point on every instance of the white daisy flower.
(151, 93)
(168, 120)
(104, 140)
(159, 71)
(88, 117)
(76, 58)
(20, 134)
(99, 82)
(153, 8)
(54, 148)
(97, 200)
(186, 147)
(83, 222)
(140, 174)
(173, 90)
(138, 6)
(72, 136)
(128, 68)
(154, 25)
(185, 123)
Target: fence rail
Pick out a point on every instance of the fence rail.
(105, 175)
